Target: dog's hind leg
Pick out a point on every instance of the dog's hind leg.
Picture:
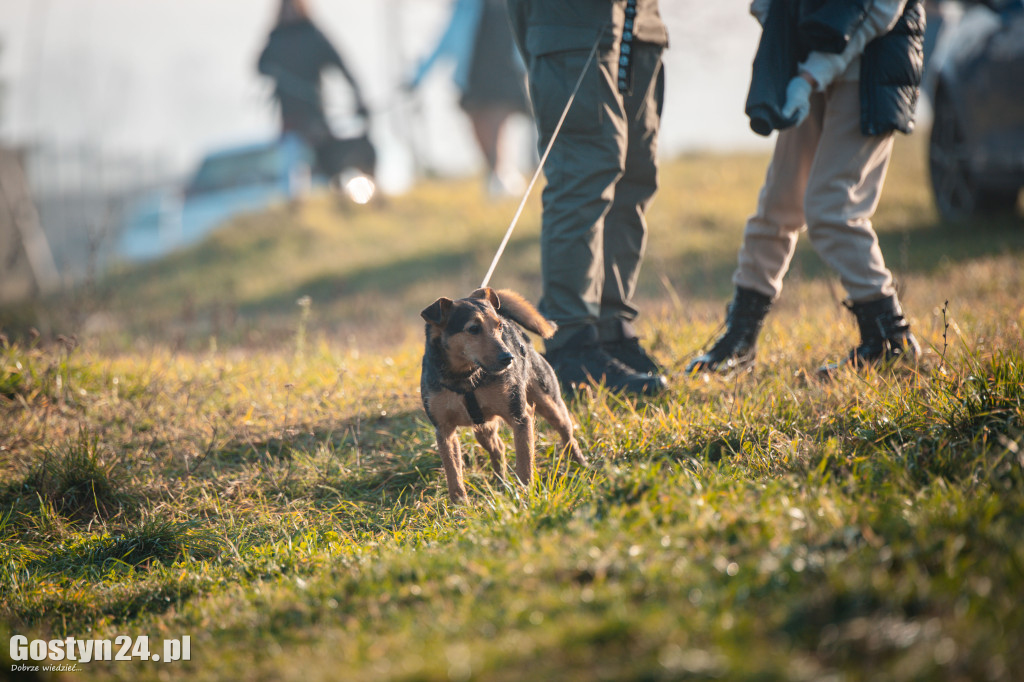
(487, 436)
(451, 458)
(554, 411)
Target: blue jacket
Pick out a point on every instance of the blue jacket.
(456, 43)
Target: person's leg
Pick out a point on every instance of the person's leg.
(769, 240)
(487, 124)
(583, 166)
(585, 162)
(770, 235)
(844, 191)
(625, 233)
(503, 179)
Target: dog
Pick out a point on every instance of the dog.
(478, 367)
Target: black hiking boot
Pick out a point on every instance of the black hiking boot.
(625, 347)
(630, 353)
(737, 347)
(582, 361)
(884, 337)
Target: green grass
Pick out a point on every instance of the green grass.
(201, 454)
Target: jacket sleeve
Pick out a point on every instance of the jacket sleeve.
(330, 55)
(456, 42)
(759, 8)
(265, 64)
(881, 16)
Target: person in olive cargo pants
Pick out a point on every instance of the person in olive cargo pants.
(601, 174)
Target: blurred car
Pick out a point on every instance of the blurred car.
(975, 82)
(151, 226)
(226, 183)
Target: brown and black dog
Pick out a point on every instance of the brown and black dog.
(479, 366)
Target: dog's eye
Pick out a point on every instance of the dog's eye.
(473, 328)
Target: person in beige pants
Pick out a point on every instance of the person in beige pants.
(826, 177)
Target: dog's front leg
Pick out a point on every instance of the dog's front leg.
(451, 458)
(553, 409)
(522, 437)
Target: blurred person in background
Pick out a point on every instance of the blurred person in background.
(601, 174)
(854, 82)
(295, 57)
(933, 12)
(490, 78)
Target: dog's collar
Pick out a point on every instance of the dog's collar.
(470, 381)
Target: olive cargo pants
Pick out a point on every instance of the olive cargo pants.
(601, 174)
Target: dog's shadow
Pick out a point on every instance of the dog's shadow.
(364, 472)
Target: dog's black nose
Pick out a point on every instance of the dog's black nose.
(505, 359)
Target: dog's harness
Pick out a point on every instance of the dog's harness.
(473, 407)
(476, 413)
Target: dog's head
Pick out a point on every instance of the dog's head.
(469, 331)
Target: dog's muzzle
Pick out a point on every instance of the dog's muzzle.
(501, 363)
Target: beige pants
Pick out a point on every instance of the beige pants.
(827, 177)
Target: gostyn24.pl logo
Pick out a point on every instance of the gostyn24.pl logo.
(26, 653)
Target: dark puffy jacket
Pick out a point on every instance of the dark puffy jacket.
(826, 26)
(890, 71)
(890, 75)
(775, 62)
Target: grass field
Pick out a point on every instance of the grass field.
(228, 445)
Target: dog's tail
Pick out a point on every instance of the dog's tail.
(518, 309)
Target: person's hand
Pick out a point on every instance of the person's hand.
(798, 98)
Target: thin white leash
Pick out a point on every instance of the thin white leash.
(540, 165)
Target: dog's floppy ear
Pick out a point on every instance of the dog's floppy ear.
(488, 294)
(437, 312)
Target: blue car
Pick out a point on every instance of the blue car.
(227, 183)
(976, 85)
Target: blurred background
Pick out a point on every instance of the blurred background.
(110, 101)
(124, 123)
